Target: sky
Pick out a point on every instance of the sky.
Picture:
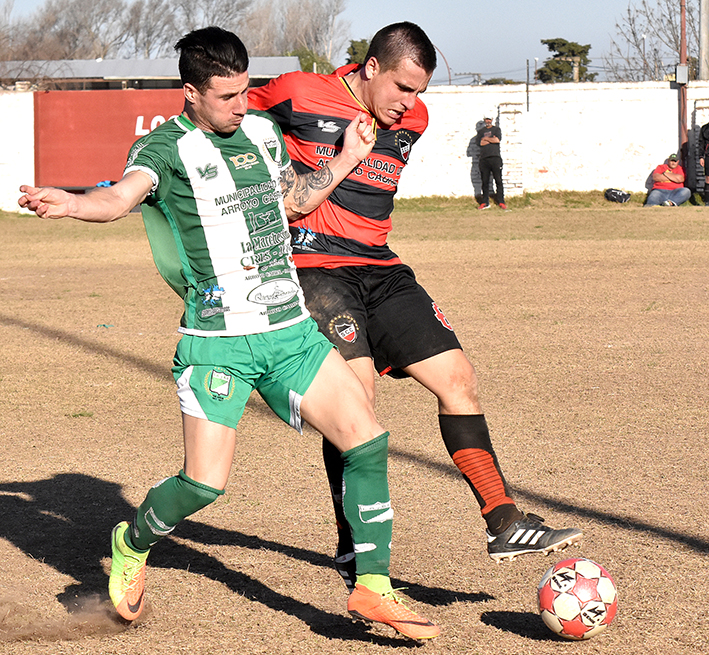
(493, 39)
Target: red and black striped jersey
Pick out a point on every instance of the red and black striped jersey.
(350, 228)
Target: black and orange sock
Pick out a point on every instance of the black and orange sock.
(467, 439)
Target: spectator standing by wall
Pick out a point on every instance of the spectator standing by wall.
(490, 163)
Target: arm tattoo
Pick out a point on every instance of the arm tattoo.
(306, 184)
(319, 179)
(288, 179)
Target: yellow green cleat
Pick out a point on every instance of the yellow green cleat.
(126, 585)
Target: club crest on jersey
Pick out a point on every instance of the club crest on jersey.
(441, 317)
(329, 127)
(345, 327)
(404, 141)
(245, 161)
(209, 172)
(219, 383)
(272, 147)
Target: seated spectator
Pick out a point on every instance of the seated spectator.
(668, 185)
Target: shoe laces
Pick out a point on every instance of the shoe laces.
(131, 570)
(534, 517)
(392, 595)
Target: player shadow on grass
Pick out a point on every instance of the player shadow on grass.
(630, 524)
(524, 624)
(162, 373)
(65, 522)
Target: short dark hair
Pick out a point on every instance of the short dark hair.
(210, 52)
(394, 43)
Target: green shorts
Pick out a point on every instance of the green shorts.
(216, 375)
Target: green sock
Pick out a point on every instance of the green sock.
(365, 499)
(129, 542)
(381, 584)
(166, 504)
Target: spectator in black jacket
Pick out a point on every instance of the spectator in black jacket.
(488, 138)
(704, 158)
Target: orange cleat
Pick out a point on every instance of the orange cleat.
(368, 605)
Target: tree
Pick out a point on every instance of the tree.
(262, 28)
(313, 24)
(560, 67)
(73, 29)
(309, 29)
(91, 29)
(191, 15)
(6, 30)
(357, 51)
(151, 31)
(499, 80)
(647, 40)
(311, 61)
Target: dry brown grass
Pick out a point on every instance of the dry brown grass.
(588, 330)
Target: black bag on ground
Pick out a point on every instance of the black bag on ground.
(616, 195)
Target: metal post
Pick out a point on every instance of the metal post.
(450, 80)
(683, 133)
(704, 40)
(644, 38)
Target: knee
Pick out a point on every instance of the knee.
(370, 393)
(194, 495)
(459, 393)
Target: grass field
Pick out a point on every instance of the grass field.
(587, 323)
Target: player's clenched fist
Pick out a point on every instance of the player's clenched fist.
(359, 137)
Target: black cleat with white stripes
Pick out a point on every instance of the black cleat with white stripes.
(529, 535)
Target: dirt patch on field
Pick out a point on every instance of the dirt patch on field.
(588, 328)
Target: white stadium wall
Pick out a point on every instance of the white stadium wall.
(574, 137)
(565, 137)
(17, 153)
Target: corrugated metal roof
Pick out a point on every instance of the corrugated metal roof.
(129, 69)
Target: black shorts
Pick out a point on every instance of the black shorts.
(379, 312)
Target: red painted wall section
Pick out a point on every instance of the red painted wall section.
(83, 137)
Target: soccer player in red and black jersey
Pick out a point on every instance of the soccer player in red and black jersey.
(364, 298)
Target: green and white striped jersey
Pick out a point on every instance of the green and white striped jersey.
(217, 226)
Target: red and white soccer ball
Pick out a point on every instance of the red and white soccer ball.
(577, 598)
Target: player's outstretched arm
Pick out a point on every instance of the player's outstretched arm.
(303, 193)
(100, 205)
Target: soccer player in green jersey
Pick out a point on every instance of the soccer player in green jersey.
(218, 189)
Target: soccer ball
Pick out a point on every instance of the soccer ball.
(577, 598)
